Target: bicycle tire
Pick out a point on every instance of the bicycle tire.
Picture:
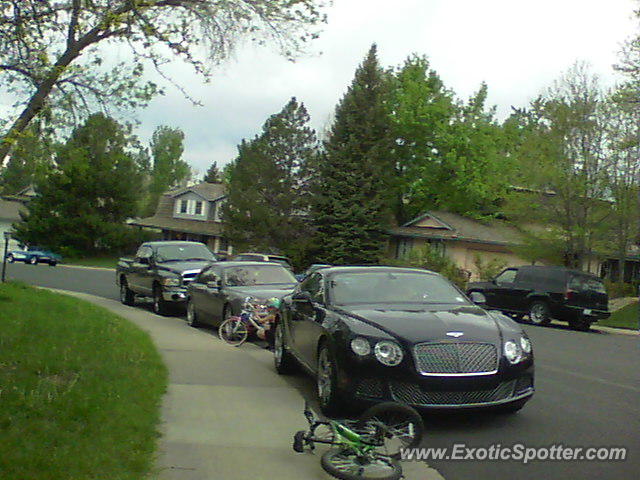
(388, 416)
(233, 331)
(345, 465)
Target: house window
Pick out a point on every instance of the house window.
(198, 209)
(183, 206)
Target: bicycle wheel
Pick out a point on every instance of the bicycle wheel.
(233, 331)
(392, 425)
(348, 465)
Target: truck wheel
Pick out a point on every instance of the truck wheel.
(160, 306)
(127, 297)
(580, 324)
(539, 313)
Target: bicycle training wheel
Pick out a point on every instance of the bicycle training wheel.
(392, 425)
(348, 465)
(233, 331)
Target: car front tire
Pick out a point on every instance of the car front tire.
(282, 358)
(160, 306)
(192, 316)
(127, 297)
(10, 259)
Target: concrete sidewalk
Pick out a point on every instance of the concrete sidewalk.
(227, 414)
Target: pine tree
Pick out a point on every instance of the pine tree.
(267, 200)
(213, 174)
(352, 205)
(83, 203)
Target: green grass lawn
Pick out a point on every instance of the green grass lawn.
(105, 262)
(626, 317)
(80, 390)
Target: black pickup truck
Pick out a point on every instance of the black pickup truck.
(162, 271)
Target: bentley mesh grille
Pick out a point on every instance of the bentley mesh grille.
(413, 395)
(456, 358)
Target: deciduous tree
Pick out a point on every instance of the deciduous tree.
(50, 56)
(169, 169)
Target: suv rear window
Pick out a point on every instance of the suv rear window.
(583, 283)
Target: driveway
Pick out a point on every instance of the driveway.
(227, 414)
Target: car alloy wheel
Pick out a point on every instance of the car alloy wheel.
(10, 259)
(325, 376)
(539, 313)
(192, 318)
(278, 347)
(33, 260)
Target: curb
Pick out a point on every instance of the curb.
(84, 267)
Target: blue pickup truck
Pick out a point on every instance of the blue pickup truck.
(34, 255)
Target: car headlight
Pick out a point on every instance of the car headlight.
(525, 344)
(388, 353)
(360, 346)
(512, 351)
(171, 282)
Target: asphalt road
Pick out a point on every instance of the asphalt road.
(587, 395)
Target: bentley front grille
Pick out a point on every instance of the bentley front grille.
(461, 358)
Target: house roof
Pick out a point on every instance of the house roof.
(451, 226)
(196, 227)
(208, 191)
(10, 210)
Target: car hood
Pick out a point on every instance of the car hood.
(181, 267)
(430, 323)
(262, 292)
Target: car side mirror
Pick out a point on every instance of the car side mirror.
(478, 298)
(301, 297)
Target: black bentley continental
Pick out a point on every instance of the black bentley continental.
(373, 334)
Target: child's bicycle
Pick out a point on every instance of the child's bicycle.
(258, 319)
(367, 448)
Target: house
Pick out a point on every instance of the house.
(191, 213)
(10, 208)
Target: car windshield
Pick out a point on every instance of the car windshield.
(172, 253)
(258, 275)
(393, 287)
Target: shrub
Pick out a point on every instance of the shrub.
(429, 259)
(488, 270)
(621, 289)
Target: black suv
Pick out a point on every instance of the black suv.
(544, 293)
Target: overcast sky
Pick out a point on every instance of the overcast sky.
(518, 48)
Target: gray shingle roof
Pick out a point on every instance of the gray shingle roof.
(462, 228)
(208, 191)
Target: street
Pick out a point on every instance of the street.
(587, 395)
